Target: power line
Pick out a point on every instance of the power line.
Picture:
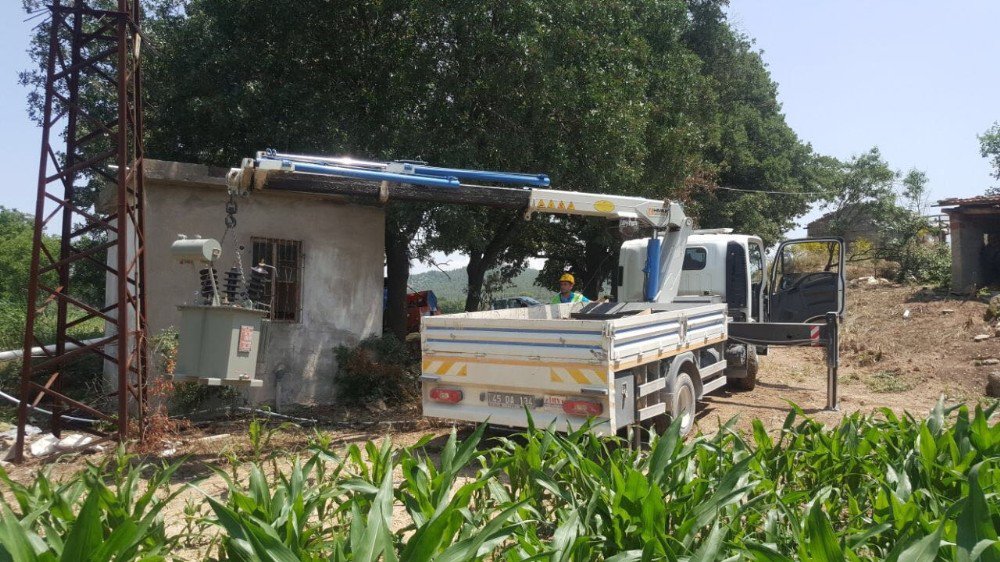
(771, 192)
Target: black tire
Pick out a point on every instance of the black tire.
(749, 382)
(684, 404)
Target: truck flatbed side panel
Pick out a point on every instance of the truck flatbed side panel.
(643, 339)
(536, 333)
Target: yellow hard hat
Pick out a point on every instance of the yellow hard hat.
(567, 277)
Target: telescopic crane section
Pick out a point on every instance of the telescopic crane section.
(253, 174)
(656, 275)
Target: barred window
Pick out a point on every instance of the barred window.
(286, 288)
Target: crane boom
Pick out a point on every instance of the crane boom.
(658, 214)
(655, 213)
(659, 268)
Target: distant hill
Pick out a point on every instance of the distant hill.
(450, 285)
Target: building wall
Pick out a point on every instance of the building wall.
(972, 265)
(341, 276)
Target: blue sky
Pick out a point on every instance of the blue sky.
(918, 79)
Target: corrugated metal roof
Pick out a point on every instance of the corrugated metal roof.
(978, 201)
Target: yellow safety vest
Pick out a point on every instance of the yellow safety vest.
(574, 297)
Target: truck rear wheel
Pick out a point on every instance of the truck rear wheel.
(748, 382)
(684, 404)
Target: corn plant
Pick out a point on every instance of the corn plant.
(879, 486)
(108, 512)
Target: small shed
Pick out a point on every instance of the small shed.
(329, 259)
(856, 223)
(974, 225)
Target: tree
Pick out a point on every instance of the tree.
(555, 87)
(766, 175)
(861, 196)
(232, 77)
(989, 148)
(654, 98)
(866, 197)
(906, 234)
(16, 233)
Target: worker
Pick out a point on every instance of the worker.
(566, 292)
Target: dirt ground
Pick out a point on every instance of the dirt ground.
(889, 358)
(901, 348)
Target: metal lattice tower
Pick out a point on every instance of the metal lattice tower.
(91, 139)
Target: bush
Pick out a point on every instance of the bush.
(378, 367)
(190, 397)
(926, 263)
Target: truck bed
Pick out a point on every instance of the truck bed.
(491, 365)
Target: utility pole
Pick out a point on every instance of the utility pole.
(93, 54)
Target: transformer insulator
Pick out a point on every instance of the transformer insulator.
(234, 285)
(259, 276)
(209, 280)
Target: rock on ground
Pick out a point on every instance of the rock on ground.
(993, 309)
(44, 445)
(74, 441)
(993, 384)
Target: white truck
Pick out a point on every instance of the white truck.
(647, 358)
(692, 308)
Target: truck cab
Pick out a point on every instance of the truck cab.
(805, 281)
(730, 266)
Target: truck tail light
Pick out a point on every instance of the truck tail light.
(446, 395)
(584, 408)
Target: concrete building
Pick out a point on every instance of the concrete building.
(975, 241)
(329, 256)
(856, 223)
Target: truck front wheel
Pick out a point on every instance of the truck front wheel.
(684, 404)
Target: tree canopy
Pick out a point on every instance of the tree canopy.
(657, 98)
(989, 148)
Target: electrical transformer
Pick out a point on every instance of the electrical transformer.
(219, 345)
(221, 334)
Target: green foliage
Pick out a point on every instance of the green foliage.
(451, 306)
(192, 397)
(16, 233)
(751, 147)
(858, 191)
(451, 286)
(927, 263)
(651, 98)
(989, 148)
(110, 511)
(885, 220)
(378, 367)
(874, 487)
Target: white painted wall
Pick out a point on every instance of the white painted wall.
(342, 247)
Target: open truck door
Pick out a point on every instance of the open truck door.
(804, 298)
(807, 281)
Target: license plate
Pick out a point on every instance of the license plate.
(510, 400)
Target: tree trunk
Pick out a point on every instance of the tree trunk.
(481, 262)
(397, 258)
(476, 271)
(597, 259)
